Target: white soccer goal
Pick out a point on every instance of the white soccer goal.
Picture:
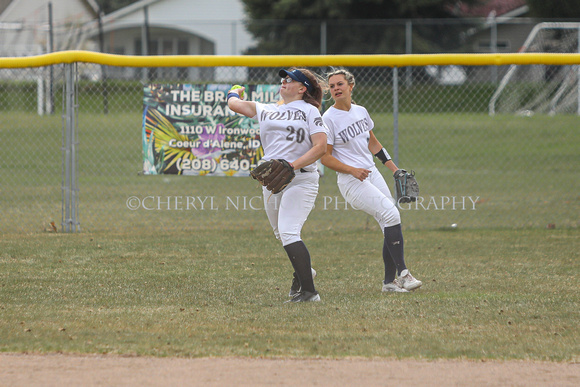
(542, 89)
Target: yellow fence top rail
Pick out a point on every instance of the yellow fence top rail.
(289, 60)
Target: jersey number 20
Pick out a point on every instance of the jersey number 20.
(297, 134)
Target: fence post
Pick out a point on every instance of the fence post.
(70, 190)
(493, 47)
(50, 99)
(396, 115)
(40, 95)
(408, 51)
(323, 37)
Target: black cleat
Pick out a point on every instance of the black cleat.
(295, 288)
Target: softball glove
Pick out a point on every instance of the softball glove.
(406, 186)
(275, 175)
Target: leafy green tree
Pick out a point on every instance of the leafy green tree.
(554, 9)
(294, 26)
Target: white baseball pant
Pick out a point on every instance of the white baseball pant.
(288, 210)
(371, 196)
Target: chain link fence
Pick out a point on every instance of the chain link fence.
(75, 142)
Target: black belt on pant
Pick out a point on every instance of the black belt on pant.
(302, 170)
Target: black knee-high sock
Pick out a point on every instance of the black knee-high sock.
(390, 268)
(300, 258)
(394, 243)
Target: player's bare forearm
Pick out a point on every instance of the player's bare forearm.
(375, 147)
(316, 152)
(389, 164)
(333, 163)
(247, 108)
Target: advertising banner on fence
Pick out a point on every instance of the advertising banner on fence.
(189, 130)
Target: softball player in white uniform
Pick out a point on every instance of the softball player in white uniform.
(293, 131)
(351, 145)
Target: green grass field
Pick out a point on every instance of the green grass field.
(219, 291)
(211, 281)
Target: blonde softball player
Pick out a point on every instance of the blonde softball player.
(293, 131)
(351, 146)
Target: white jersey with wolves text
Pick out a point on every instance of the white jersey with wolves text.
(285, 129)
(348, 133)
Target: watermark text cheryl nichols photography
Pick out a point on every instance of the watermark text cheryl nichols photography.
(256, 203)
